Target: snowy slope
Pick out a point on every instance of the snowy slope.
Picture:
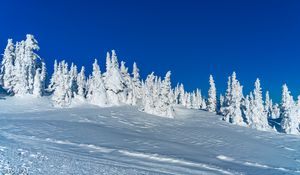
(36, 138)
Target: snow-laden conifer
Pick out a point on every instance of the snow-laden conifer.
(212, 96)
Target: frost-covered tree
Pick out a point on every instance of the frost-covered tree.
(62, 94)
(268, 105)
(73, 79)
(26, 63)
(38, 84)
(182, 95)
(148, 94)
(136, 84)
(128, 94)
(54, 77)
(188, 100)
(220, 104)
(7, 74)
(212, 96)
(97, 92)
(165, 102)
(259, 120)
(81, 83)
(232, 102)
(198, 100)
(114, 82)
(156, 99)
(246, 107)
(290, 118)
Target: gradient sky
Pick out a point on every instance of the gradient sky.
(191, 38)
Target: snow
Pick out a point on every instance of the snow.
(36, 138)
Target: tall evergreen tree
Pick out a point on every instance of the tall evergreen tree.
(212, 96)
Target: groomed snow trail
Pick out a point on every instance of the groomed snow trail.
(85, 139)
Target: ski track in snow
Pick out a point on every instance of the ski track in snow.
(122, 140)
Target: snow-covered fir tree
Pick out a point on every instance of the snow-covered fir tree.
(212, 96)
(54, 77)
(259, 120)
(81, 83)
(62, 94)
(290, 118)
(232, 101)
(38, 84)
(268, 105)
(73, 79)
(97, 93)
(165, 102)
(114, 82)
(136, 84)
(7, 74)
(128, 94)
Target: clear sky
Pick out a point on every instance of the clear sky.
(191, 38)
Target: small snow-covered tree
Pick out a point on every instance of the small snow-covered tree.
(73, 79)
(290, 119)
(136, 84)
(7, 74)
(128, 94)
(182, 96)
(268, 105)
(212, 96)
(188, 100)
(259, 120)
(97, 93)
(54, 77)
(81, 83)
(114, 82)
(62, 94)
(37, 85)
(220, 105)
(233, 98)
(198, 100)
(165, 102)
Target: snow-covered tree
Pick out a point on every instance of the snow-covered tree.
(54, 77)
(232, 103)
(198, 101)
(181, 95)
(128, 98)
(81, 83)
(7, 74)
(136, 84)
(73, 79)
(114, 82)
(268, 105)
(156, 99)
(37, 85)
(290, 119)
(212, 96)
(220, 104)
(26, 63)
(165, 102)
(97, 92)
(259, 120)
(62, 94)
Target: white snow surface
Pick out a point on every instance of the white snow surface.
(36, 138)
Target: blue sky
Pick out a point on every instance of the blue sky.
(191, 38)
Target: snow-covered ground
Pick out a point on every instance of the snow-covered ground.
(36, 138)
